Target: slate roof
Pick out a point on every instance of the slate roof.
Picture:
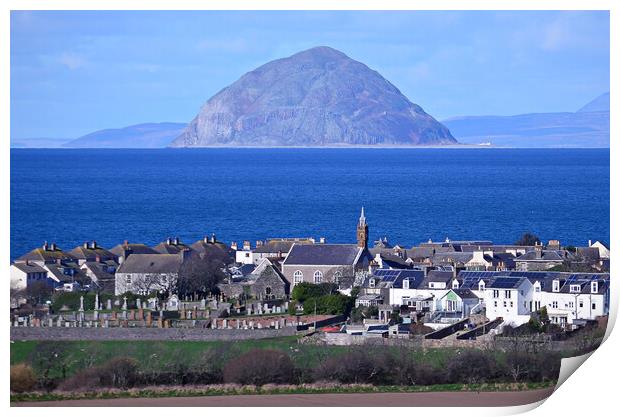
(28, 268)
(465, 293)
(170, 248)
(267, 272)
(134, 248)
(217, 250)
(65, 272)
(90, 254)
(277, 246)
(46, 255)
(150, 264)
(437, 276)
(323, 254)
(452, 257)
(545, 256)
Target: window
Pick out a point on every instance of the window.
(511, 304)
(406, 284)
(455, 284)
(298, 277)
(505, 305)
(575, 288)
(494, 303)
(537, 288)
(593, 306)
(554, 304)
(481, 286)
(337, 277)
(495, 293)
(128, 279)
(594, 287)
(571, 304)
(247, 255)
(580, 303)
(371, 282)
(556, 286)
(507, 293)
(318, 277)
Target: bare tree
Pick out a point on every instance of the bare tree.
(200, 275)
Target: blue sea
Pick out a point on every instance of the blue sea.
(70, 196)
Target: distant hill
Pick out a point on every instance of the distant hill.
(601, 103)
(38, 142)
(317, 97)
(588, 127)
(146, 135)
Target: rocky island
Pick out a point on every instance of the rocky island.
(317, 97)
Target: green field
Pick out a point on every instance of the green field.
(156, 356)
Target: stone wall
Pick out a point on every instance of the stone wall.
(82, 333)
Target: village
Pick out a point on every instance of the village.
(451, 290)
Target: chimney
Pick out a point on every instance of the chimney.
(85, 245)
(169, 241)
(538, 250)
(53, 246)
(94, 244)
(185, 253)
(205, 239)
(45, 245)
(176, 241)
(124, 254)
(233, 245)
(246, 245)
(97, 258)
(589, 242)
(321, 240)
(213, 240)
(259, 243)
(58, 261)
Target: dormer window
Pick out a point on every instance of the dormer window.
(556, 286)
(537, 287)
(594, 287)
(406, 284)
(481, 286)
(575, 288)
(455, 284)
(371, 283)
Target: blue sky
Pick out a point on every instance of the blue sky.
(76, 72)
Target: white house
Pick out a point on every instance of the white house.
(23, 273)
(603, 249)
(574, 299)
(509, 298)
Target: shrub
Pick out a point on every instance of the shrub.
(22, 378)
(118, 372)
(471, 367)
(355, 366)
(85, 379)
(259, 367)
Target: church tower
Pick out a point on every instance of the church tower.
(362, 231)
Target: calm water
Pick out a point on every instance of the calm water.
(410, 195)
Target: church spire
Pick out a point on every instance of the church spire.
(362, 231)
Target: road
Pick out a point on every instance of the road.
(419, 399)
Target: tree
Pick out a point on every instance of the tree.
(259, 367)
(200, 276)
(305, 290)
(528, 239)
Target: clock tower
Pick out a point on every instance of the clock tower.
(362, 231)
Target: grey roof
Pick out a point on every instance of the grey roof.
(545, 255)
(170, 248)
(46, 255)
(267, 272)
(276, 246)
(323, 254)
(150, 264)
(465, 293)
(393, 278)
(589, 253)
(214, 250)
(28, 267)
(65, 272)
(437, 276)
(91, 254)
(133, 248)
(420, 252)
(452, 257)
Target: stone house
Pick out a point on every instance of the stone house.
(265, 282)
